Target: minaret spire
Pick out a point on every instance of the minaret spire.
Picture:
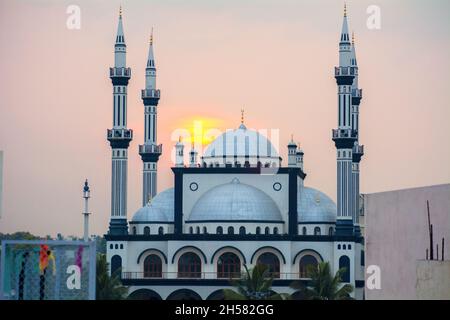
(119, 136)
(150, 150)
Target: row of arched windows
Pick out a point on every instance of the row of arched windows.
(146, 231)
(317, 231)
(228, 265)
(230, 230)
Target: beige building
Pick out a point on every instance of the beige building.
(397, 237)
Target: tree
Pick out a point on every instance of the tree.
(323, 285)
(254, 284)
(108, 287)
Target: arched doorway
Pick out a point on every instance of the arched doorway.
(184, 294)
(216, 295)
(144, 294)
(152, 266)
(228, 266)
(306, 261)
(189, 266)
(271, 260)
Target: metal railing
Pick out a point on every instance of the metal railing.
(357, 93)
(150, 148)
(344, 71)
(119, 72)
(150, 93)
(200, 275)
(120, 133)
(344, 133)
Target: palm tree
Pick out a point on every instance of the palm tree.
(323, 285)
(108, 287)
(254, 284)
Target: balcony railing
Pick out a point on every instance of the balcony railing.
(200, 275)
(358, 149)
(119, 72)
(150, 93)
(150, 148)
(357, 93)
(344, 133)
(120, 134)
(344, 71)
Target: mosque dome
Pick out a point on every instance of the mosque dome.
(315, 206)
(241, 143)
(159, 209)
(235, 201)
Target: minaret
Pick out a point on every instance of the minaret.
(119, 136)
(358, 150)
(344, 136)
(150, 150)
(292, 153)
(179, 153)
(193, 156)
(86, 213)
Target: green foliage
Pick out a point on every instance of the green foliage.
(21, 235)
(254, 284)
(323, 285)
(108, 287)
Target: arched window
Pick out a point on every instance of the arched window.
(305, 261)
(317, 231)
(304, 232)
(152, 266)
(134, 230)
(228, 266)
(344, 262)
(205, 231)
(258, 230)
(116, 265)
(197, 230)
(191, 230)
(160, 230)
(147, 231)
(219, 230)
(330, 231)
(242, 230)
(189, 266)
(272, 261)
(275, 230)
(267, 230)
(230, 230)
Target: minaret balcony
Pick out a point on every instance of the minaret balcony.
(344, 71)
(357, 93)
(119, 72)
(119, 138)
(359, 149)
(150, 93)
(344, 138)
(150, 152)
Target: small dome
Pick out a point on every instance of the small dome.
(315, 206)
(160, 208)
(235, 201)
(241, 142)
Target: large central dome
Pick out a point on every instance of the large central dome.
(235, 201)
(241, 146)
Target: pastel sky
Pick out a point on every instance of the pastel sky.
(276, 58)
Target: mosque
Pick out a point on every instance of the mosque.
(236, 204)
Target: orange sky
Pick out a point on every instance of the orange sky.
(276, 58)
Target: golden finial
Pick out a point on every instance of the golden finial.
(151, 37)
(345, 9)
(242, 116)
(292, 137)
(353, 38)
(179, 139)
(120, 11)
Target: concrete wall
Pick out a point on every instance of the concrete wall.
(433, 280)
(397, 235)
